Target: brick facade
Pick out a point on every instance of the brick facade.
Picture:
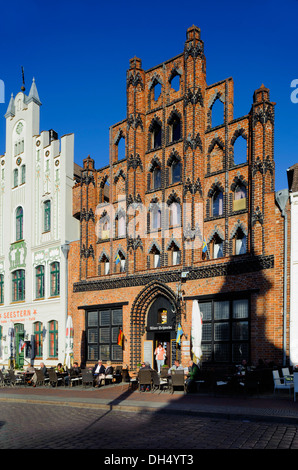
(180, 183)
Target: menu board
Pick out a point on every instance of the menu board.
(174, 351)
(148, 352)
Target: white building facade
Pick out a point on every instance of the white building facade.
(292, 174)
(36, 225)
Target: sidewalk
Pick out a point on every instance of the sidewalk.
(279, 408)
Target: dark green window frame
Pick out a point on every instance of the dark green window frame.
(19, 223)
(38, 339)
(18, 285)
(55, 279)
(53, 338)
(47, 216)
(1, 288)
(39, 277)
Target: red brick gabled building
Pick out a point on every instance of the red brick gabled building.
(140, 262)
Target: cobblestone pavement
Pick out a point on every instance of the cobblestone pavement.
(46, 426)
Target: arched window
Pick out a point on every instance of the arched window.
(174, 255)
(217, 247)
(217, 113)
(38, 339)
(175, 82)
(176, 171)
(240, 194)
(120, 262)
(156, 136)
(240, 242)
(217, 204)
(121, 148)
(55, 279)
(175, 129)
(19, 223)
(155, 216)
(18, 285)
(157, 91)
(39, 277)
(240, 150)
(175, 214)
(53, 338)
(156, 177)
(154, 256)
(47, 215)
(120, 225)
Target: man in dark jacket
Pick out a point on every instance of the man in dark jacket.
(193, 375)
(99, 372)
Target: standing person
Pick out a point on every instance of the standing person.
(160, 355)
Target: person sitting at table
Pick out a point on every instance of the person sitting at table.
(109, 372)
(60, 368)
(193, 375)
(30, 369)
(176, 366)
(34, 378)
(76, 369)
(145, 366)
(99, 373)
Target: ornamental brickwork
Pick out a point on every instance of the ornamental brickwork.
(181, 182)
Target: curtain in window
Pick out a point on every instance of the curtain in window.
(241, 245)
(240, 192)
(218, 204)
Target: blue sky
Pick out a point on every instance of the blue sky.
(79, 51)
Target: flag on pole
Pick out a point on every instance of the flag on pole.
(204, 249)
(22, 344)
(118, 259)
(120, 338)
(179, 334)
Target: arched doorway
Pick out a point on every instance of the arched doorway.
(144, 307)
(161, 323)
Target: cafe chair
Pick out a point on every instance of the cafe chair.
(177, 380)
(2, 379)
(144, 378)
(54, 379)
(164, 371)
(118, 374)
(87, 377)
(74, 379)
(41, 379)
(158, 383)
(14, 379)
(286, 374)
(280, 384)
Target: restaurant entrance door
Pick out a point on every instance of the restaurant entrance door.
(165, 340)
(161, 327)
(19, 337)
